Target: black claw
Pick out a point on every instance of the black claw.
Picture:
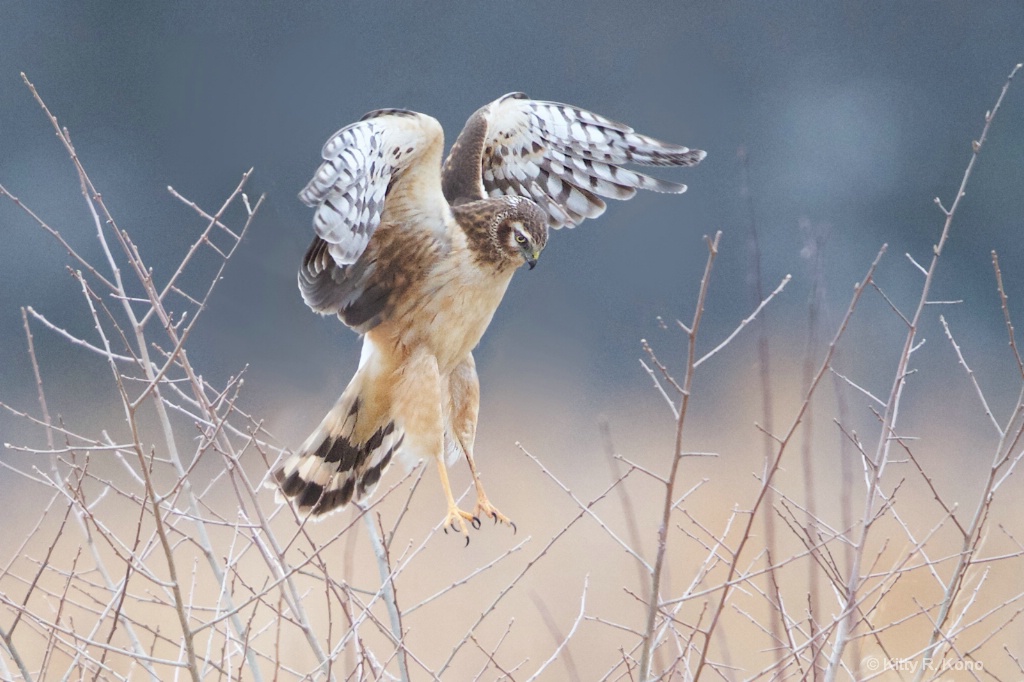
(445, 529)
(494, 515)
(513, 527)
(475, 523)
(467, 542)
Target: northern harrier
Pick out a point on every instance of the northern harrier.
(416, 258)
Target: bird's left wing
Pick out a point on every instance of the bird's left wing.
(563, 157)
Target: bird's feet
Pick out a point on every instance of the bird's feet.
(456, 520)
(484, 508)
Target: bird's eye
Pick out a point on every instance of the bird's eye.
(520, 238)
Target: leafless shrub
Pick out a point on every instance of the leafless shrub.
(156, 554)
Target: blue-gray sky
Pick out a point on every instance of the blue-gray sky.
(854, 115)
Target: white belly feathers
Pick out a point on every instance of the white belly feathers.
(458, 314)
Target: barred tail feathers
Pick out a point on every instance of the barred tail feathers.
(343, 459)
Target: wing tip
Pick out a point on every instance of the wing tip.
(672, 155)
(308, 196)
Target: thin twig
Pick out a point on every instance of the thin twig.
(649, 645)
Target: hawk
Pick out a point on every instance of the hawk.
(416, 257)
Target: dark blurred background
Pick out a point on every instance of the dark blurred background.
(854, 116)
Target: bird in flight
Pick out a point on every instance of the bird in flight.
(416, 257)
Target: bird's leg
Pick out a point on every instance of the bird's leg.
(464, 406)
(417, 397)
(483, 505)
(455, 515)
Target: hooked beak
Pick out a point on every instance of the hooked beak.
(531, 259)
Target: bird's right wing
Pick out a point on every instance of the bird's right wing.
(383, 169)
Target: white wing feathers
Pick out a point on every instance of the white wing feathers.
(566, 158)
(368, 169)
(386, 168)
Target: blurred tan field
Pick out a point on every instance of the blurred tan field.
(548, 580)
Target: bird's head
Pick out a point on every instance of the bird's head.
(520, 230)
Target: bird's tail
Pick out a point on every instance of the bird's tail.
(344, 458)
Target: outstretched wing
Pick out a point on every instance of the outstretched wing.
(563, 157)
(383, 169)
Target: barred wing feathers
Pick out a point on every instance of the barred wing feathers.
(563, 157)
(383, 169)
(368, 167)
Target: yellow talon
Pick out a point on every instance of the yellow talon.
(456, 520)
(485, 508)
